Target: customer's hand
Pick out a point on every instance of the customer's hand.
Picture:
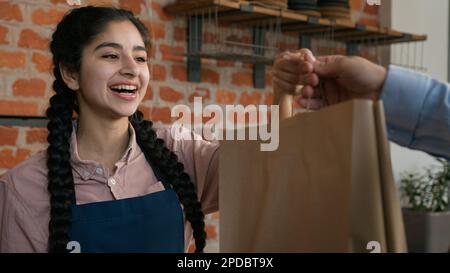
(341, 78)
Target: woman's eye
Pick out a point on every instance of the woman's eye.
(110, 56)
(141, 59)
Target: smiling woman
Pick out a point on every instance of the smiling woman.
(116, 58)
(108, 181)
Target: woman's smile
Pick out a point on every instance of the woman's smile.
(128, 96)
(125, 91)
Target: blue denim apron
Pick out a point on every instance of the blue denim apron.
(149, 223)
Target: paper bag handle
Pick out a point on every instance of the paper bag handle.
(285, 104)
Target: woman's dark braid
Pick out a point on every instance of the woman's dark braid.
(60, 178)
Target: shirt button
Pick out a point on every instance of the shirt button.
(112, 181)
(99, 171)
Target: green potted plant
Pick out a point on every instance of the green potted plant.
(427, 212)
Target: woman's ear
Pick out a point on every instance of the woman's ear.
(69, 77)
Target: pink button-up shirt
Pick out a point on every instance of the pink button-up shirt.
(25, 201)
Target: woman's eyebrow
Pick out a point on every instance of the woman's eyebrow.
(119, 46)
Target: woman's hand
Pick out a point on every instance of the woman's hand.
(290, 70)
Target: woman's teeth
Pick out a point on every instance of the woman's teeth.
(124, 88)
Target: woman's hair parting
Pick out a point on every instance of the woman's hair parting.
(76, 30)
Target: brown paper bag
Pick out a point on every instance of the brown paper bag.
(327, 188)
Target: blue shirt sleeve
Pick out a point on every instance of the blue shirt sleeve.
(417, 111)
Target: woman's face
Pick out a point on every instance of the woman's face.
(114, 74)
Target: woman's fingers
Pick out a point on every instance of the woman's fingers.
(293, 73)
(307, 92)
(306, 67)
(289, 77)
(291, 66)
(311, 104)
(309, 79)
(284, 86)
(305, 54)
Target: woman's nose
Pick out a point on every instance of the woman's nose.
(129, 67)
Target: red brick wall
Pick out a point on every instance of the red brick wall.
(363, 13)
(25, 79)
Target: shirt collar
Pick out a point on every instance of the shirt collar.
(86, 168)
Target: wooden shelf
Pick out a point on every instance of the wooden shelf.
(252, 16)
(245, 58)
(291, 21)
